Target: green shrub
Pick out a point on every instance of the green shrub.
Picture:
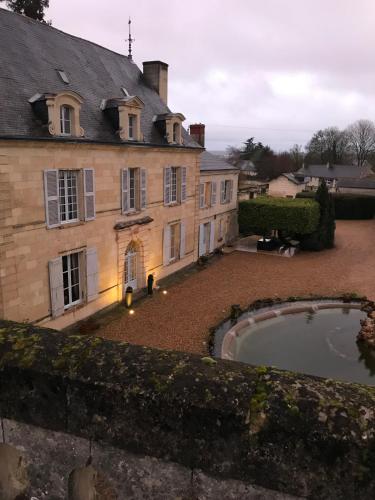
(264, 214)
(349, 206)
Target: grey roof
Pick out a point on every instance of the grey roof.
(213, 162)
(335, 171)
(30, 55)
(246, 165)
(296, 179)
(364, 183)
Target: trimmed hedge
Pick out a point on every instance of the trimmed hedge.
(263, 214)
(348, 206)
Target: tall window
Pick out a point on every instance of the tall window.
(176, 132)
(175, 242)
(71, 279)
(226, 191)
(132, 125)
(133, 188)
(174, 181)
(66, 120)
(68, 195)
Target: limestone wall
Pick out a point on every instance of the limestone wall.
(164, 423)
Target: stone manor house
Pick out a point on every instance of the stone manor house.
(100, 185)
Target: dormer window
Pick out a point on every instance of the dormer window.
(60, 112)
(125, 115)
(65, 120)
(176, 132)
(170, 125)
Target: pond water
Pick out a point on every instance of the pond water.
(317, 343)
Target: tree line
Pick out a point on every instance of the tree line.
(35, 9)
(354, 145)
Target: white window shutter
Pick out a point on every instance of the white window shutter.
(143, 188)
(222, 192)
(212, 236)
(124, 190)
(213, 193)
(182, 239)
(167, 245)
(167, 185)
(56, 284)
(201, 195)
(51, 194)
(201, 249)
(183, 184)
(89, 193)
(92, 274)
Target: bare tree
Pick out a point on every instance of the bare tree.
(296, 156)
(327, 145)
(361, 140)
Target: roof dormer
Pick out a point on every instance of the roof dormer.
(60, 112)
(125, 115)
(170, 125)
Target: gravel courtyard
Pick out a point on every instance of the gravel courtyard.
(181, 319)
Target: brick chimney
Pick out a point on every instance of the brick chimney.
(156, 76)
(197, 133)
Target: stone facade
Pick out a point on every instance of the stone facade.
(27, 245)
(282, 186)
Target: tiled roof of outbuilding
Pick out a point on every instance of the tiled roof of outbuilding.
(214, 162)
(335, 171)
(30, 55)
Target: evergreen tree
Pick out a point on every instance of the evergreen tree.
(29, 8)
(327, 225)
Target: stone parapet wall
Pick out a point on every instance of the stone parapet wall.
(235, 424)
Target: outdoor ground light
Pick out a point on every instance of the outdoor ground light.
(165, 292)
(131, 311)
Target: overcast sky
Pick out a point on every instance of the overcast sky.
(274, 69)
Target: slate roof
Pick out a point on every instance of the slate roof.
(296, 179)
(30, 54)
(364, 183)
(213, 162)
(335, 171)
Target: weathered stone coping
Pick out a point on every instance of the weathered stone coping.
(228, 344)
(285, 431)
(136, 222)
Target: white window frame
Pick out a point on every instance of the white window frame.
(66, 120)
(69, 273)
(132, 127)
(174, 191)
(68, 175)
(133, 189)
(174, 244)
(176, 132)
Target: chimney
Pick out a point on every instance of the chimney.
(197, 133)
(156, 75)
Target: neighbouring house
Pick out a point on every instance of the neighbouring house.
(287, 185)
(218, 186)
(364, 186)
(331, 174)
(249, 185)
(98, 177)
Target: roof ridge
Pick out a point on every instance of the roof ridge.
(48, 26)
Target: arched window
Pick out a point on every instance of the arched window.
(176, 132)
(66, 120)
(131, 266)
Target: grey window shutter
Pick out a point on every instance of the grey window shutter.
(212, 236)
(143, 188)
(201, 249)
(182, 239)
(167, 185)
(56, 284)
(51, 193)
(230, 191)
(213, 193)
(222, 192)
(167, 245)
(183, 184)
(201, 195)
(124, 190)
(92, 274)
(89, 193)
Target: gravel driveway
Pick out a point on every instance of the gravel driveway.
(181, 319)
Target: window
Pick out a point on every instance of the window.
(65, 120)
(226, 191)
(174, 185)
(133, 189)
(68, 195)
(176, 132)
(132, 127)
(71, 279)
(174, 242)
(63, 75)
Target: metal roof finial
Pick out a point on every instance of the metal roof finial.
(130, 40)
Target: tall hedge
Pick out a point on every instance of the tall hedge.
(348, 206)
(263, 214)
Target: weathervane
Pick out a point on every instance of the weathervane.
(130, 40)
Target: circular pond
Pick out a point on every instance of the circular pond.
(316, 339)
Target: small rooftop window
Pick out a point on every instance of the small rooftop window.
(63, 75)
(126, 93)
